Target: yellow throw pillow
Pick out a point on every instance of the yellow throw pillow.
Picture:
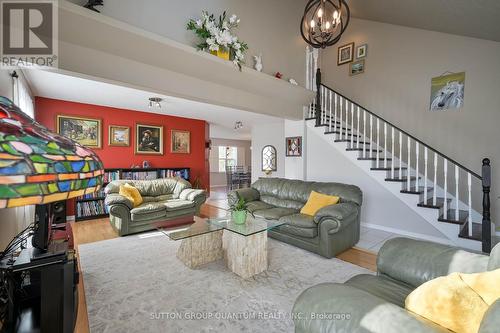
(453, 302)
(317, 201)
(131, 193)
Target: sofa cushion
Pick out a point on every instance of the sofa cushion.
(274, 213)
(257, 205)
(297, 231)
(317, 201)
(382, 286)
(131, 193)
(278, 202)
(148, 211)
(177, 204)
(300, 221)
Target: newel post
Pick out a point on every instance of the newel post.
(486, 225)
(318, 97)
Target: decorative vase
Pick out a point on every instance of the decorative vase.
(239, 216)
(221, 54)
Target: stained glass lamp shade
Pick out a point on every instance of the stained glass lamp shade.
(38, 166)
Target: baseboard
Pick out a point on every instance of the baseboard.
(70, 218)
(408, 234)
(217, 186)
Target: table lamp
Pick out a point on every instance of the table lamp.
(38, 166)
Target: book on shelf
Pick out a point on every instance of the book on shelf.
(109, 176)
(91, 208)
(139, 175)
(96, 195)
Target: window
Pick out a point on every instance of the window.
(22, 97)
(228, 156)
(269, 159)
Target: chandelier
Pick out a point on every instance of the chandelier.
(324, 22)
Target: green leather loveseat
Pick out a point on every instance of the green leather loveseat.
(332, 230)
(163, 200)
(375, 303)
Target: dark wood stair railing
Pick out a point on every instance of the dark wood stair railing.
(337, 112)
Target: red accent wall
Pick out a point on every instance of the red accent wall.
(47, 109)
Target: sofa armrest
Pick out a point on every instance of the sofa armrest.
(339, 215)
(196, 195)
(332, 307)
(415, 262)
(248, 194)
(491, 319)
(116, 199)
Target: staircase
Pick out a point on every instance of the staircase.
(444, 192)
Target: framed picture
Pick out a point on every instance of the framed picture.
(181, 142)
(294, 146)
(85, 131)
(148, 139)
(345, 54)
(119, 135)
(357, 67)
(361, 51)
(447, 92)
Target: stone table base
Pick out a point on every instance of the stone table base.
(246, 256)
(202, 249)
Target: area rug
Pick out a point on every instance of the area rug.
(136, 284)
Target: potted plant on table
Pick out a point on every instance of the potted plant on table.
(217, 37)
(239, 211)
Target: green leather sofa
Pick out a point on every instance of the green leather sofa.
(164, 199)
(331, 231)
(375, 303)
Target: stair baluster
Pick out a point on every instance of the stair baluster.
(330, 112)
(469, 188)
(400, 154)
(486, 223)
(371, 136)
(335, 111)
(385, 144)
(357, 131)
(364, 133)
(352, 125)
(445, 207)
(392, 151)
(377, 163)
(417, 153)
(408, 172)
(341, 117)
(426, 156)
(434, 192)
(457, 196)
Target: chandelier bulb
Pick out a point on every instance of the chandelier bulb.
(327, 25)
(313, 24)
(320, 12)
(335, 15)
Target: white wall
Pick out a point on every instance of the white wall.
(263, 135)
(396, 85)
(380, 207)
(268, 27)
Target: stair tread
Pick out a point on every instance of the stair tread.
(402, 179)
(380, 158)
(349, 140)
(476, 231)
(429, 203)
(388, 168)
(452, 218)
(361, 149)
(414, 190)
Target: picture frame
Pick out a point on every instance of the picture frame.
(447, 92)
(293, 146)
(148, 139)
(357, 67)
(180, 142)
(118, 136)
(85, 131)
(361, 51)
(345, 54)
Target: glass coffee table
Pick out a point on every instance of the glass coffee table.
(243, 246)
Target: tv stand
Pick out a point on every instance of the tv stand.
(47, 300)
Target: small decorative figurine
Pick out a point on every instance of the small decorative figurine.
(258, 62)
(292, 81)
(278, 75)
(145, 164)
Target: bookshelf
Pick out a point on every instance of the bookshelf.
(91, 206)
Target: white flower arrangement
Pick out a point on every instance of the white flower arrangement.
(218, 36)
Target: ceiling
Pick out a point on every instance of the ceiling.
(221, 119)
(472, 18)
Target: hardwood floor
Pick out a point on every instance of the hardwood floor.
(97, 230)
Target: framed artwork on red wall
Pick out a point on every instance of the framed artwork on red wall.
(181, 142)
(119, 136)
(85, 131)
(148, 139)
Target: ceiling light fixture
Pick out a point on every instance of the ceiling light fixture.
(324, 22)
(238, 125)
(155, 102)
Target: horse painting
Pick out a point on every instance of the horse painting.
(448, 92)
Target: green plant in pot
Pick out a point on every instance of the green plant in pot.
(239, 211)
